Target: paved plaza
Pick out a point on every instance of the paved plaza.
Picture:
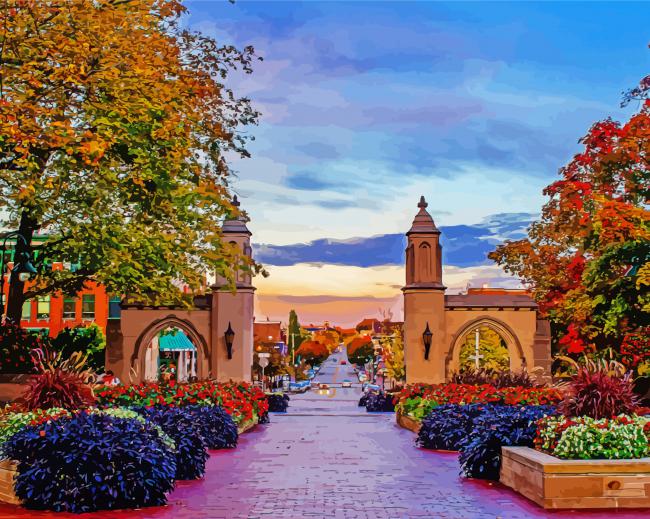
(328, 458)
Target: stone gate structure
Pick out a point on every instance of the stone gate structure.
(130, 339)
(446, 319)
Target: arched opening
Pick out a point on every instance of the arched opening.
(170, 348)
(483, 347)
(499, 346)
(170, 355)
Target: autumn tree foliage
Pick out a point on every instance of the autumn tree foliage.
(360, 349)
(587, 259)
(115, 126)
(393, 348)
(312, 352)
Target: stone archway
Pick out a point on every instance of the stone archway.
(515, 350)
(137, 362)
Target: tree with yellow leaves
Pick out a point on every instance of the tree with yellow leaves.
(115, 126)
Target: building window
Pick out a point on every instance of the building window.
(27, 310)
(88, 306)
(114, 310)
(70, 308)
(43, 308)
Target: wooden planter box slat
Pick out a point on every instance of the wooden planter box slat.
(407, 422)
(554, 483)
(8, 471)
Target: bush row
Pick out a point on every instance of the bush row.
(116, 458)
(479, 431)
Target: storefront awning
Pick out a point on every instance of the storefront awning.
(175, 342)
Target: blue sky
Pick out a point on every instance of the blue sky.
(368, 105)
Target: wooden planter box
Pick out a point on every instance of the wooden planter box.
(407, 422)
(8, 471)
(247, 426)
(555, 483)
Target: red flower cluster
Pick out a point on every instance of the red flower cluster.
(485, 393)
(240, 399)
(635, 348)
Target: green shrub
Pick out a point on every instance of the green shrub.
(88, 340)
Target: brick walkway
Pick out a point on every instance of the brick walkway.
(333, 466)
(328, 459)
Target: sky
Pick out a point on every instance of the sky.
(368, 105)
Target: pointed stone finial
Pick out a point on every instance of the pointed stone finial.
(235, 201)
(423, 203)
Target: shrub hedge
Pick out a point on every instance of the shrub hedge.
(91, 461)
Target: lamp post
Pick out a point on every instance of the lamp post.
(426, 339)
(23, 268)
(229, 337)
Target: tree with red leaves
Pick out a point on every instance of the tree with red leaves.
(587, 260)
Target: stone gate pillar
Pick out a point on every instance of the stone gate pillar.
(234, 310)
(424, 301)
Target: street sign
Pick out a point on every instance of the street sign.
(264, 362)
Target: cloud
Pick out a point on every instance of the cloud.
(307, 182)
(345, 295)
(463, 245)
(318, 150)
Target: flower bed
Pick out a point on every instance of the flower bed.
(185, 419)
(241, 400)
(621, 437)
(418, 400)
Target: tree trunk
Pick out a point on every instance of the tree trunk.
(17, 287)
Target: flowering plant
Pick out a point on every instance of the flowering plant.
(241, 400)
(584, 437)
(428, 396)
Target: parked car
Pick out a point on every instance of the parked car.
(299, 387)
(367, 387)
(343, 362)
(346, 383)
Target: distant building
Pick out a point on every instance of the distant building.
(57, 311)
(270, 332)
(369, 327)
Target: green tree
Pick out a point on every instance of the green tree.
(491, 346)
(115, 124)
(295, 334)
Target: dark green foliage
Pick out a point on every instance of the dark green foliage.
(91, 462)
(89, 340)
(379, 402)
(217, 427)
(278, 402)
(16, 345)
(176, 422)
(494, 427)
(498, 379)
(448, 427)
(362, 354)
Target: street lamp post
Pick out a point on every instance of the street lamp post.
(23, 268)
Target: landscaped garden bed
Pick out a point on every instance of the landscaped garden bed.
(69, 446)
(585, 444)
